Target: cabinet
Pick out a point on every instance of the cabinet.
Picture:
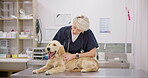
(18, 25)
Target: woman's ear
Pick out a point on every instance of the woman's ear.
(61, 50)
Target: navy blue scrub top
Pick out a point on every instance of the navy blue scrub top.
(85, 40)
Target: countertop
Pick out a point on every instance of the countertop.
(102, 63)
(20, 60)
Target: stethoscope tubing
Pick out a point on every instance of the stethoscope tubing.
(68, 44)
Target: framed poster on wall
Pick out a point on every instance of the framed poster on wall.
(105, 25)
(62, 19)
(49, 33)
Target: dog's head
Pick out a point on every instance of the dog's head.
(54, 48)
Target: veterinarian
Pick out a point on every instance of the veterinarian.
(77, 39)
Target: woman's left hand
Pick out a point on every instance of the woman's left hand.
(68, 57)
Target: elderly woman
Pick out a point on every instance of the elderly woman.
(77, 39)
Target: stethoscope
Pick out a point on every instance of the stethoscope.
(68, 44)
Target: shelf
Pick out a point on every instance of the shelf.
(20, 16)
(8, 0)
(11, 18)
(26, 19)
(39, 52)
(8, 38)
(25, 38)
(3, 19)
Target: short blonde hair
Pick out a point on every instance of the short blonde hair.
(81, 22)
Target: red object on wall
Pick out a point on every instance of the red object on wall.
(128, 15)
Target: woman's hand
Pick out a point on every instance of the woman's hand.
(68, 57)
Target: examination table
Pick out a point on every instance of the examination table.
(102, 73)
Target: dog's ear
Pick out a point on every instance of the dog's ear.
(61, 50)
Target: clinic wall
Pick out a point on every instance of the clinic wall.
(141, 42)
(94, 9)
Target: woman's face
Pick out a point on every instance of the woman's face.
(75, 30)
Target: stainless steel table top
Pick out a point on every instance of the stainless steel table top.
(102, 63)
(102, 73)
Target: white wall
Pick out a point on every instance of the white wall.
(141, 42)
(94, 9)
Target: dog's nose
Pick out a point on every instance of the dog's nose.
(48, 49)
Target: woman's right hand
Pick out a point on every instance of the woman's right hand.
(68, 57)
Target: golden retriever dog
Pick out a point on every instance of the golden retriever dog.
(56, 64)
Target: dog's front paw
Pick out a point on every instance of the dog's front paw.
(48, 73)
(83, 71)
(35, 71)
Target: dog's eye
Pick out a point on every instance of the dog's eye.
(48, 44)
(54, 44)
